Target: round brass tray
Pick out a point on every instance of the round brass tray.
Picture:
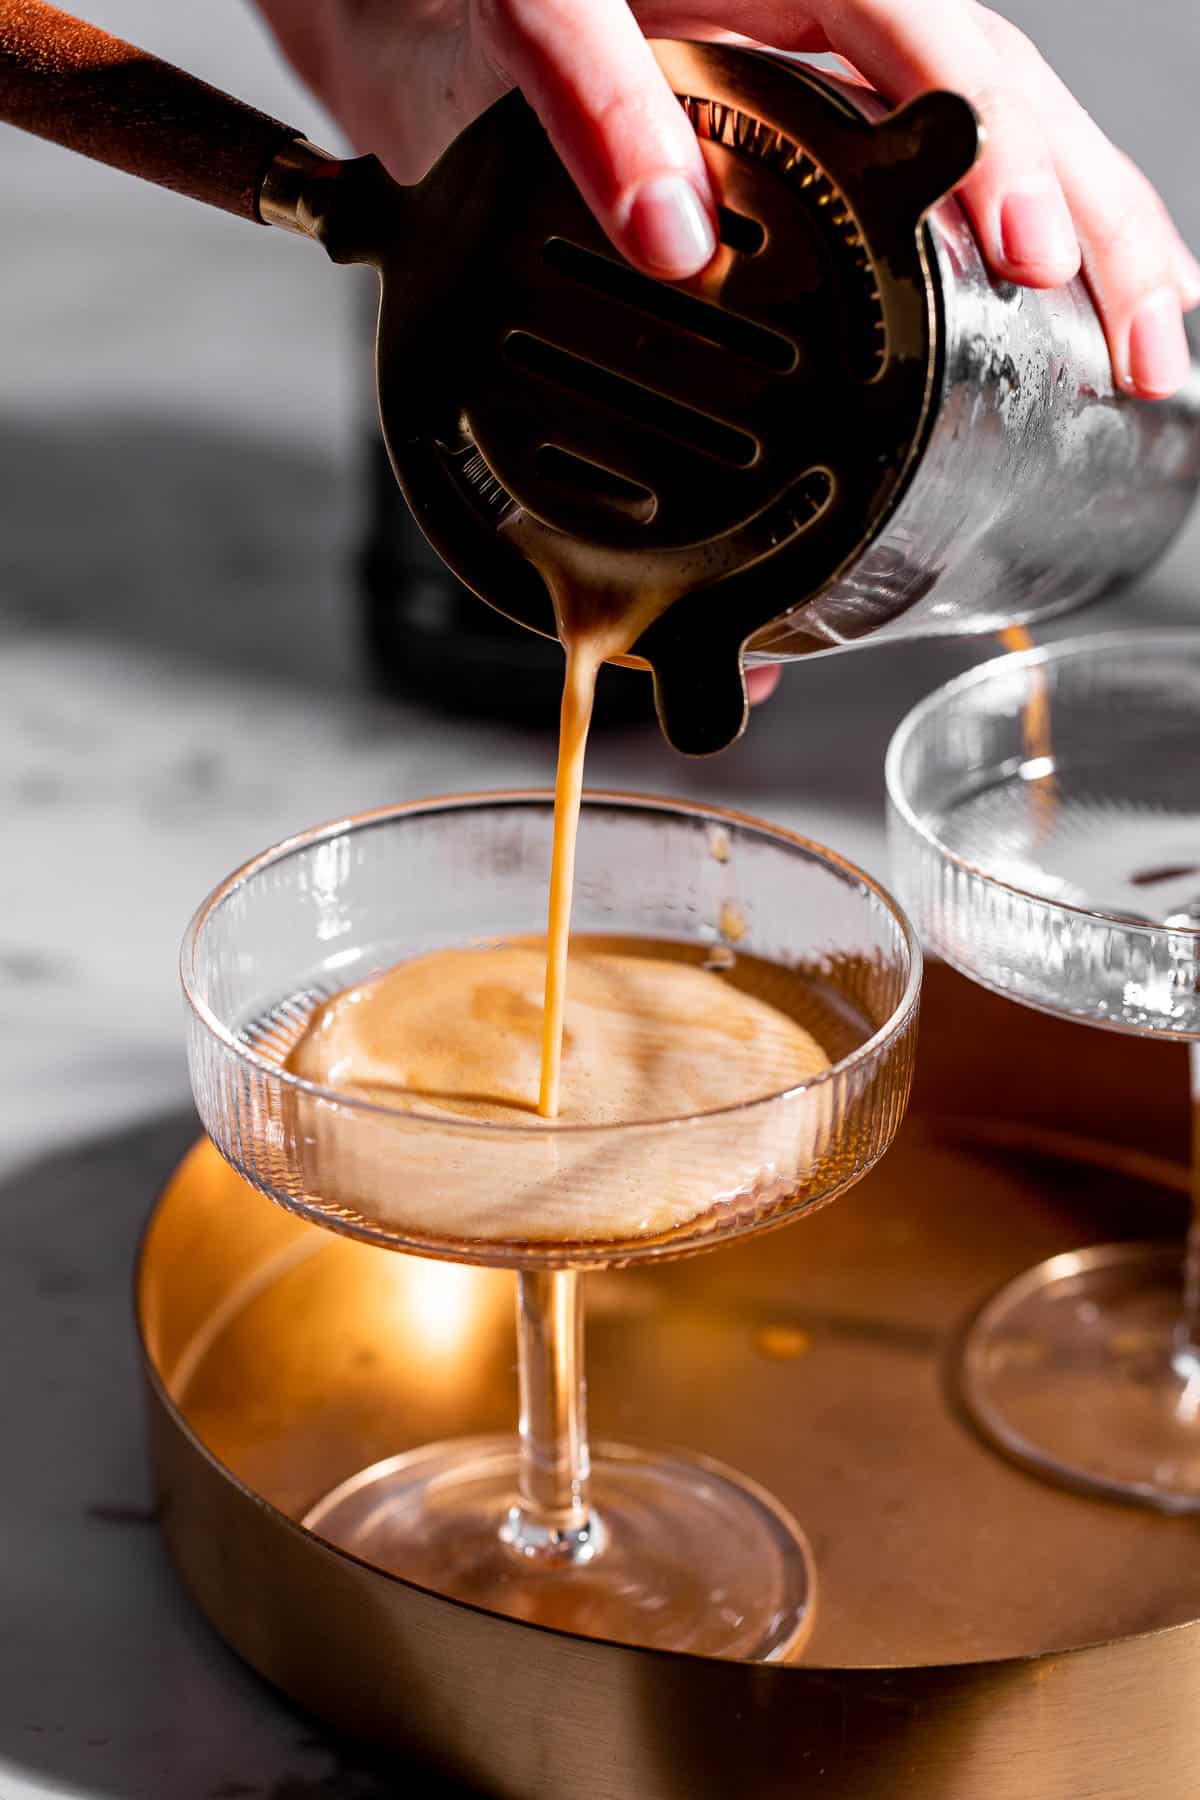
(981, 1635)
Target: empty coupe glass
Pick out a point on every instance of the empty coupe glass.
(1045, 831)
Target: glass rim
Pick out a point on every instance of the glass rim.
(981, 675)
(884, 1034)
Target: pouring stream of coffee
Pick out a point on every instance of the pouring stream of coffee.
(595, 625)
(1035, 722)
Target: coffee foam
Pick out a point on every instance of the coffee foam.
(456, 1035)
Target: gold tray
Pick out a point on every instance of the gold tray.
(980, 1635)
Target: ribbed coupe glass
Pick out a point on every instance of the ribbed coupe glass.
(637, 1545)
(1045, 835)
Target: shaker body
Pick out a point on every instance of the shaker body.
(1040, 486)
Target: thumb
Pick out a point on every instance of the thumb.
(588, 72)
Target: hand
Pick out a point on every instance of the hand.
(403, 77)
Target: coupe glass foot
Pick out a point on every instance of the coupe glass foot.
(1076, 1369)
(679, 1553)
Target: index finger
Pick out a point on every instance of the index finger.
(591, 77)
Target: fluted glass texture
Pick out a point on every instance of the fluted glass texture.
(1044, 823)
(335, 906)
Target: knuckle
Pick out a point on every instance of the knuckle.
(635, 111)
(535, 21)
(1007, 118)
(491, 18)
(1008, 36)
(1128, 234)
(1143, 193)
(880, 16)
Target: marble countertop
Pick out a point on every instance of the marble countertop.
(180, 684)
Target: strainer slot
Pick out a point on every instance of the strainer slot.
(687, 427)
(738, 231)
(728, 330)
(593, 482)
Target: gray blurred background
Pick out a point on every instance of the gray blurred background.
(183, 403)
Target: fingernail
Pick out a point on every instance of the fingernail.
(1158, 347)
(673, 233)
(1036, 232)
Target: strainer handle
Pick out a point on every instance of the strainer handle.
(65, 80)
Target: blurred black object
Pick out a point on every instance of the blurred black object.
(430, 639)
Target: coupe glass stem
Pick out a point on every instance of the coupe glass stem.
(552, 1520)
(1188, 1340)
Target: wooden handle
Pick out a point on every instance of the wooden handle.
(64, 80)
